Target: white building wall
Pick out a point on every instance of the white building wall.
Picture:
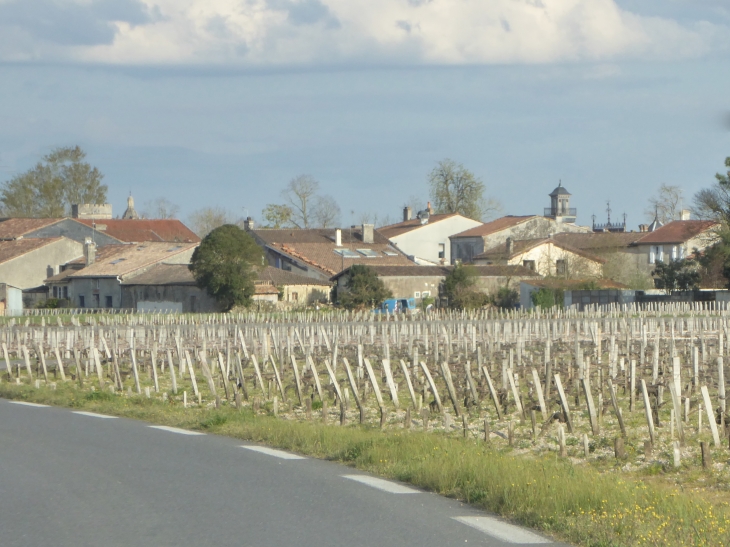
(425, 241)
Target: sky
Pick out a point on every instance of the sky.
(223, 102)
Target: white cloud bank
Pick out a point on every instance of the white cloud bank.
(326, 32)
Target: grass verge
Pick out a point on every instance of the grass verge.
(574, 503)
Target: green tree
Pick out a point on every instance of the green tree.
(364, 289)
(459, 286)
(277, 216)
(48, 190)
(506, 298)
(676, 275)
(226, 264)
(454, 189)
(547, 298)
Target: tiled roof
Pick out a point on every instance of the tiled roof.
(599, 241)
(677, 231)
(408, 225)
(139, 230)
(13, 228)
(281, 277)
(265, 287)
(443, 271)
(18, 247)
(499, 252)
(164, 274)
(317, 248)
(121, 260)
(495, 226)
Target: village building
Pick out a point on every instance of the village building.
(101, 231)
(26, 262)
(294, 289)
(322, 253)
(95, 280)
(168, 288)
(558, 218)
(545, 256)
(425, 239)
(579, 292)
(424, 281)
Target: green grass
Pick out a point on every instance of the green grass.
(575, 503)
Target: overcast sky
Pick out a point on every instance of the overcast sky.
(222, 102)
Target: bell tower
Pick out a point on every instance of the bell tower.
(560, 209)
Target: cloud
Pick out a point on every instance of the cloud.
(71, 23)
(262, 33)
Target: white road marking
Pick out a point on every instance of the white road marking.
(380, 484)
(273, 452)
(502, 530)
(93, 414)
(27, 404)
(176, 430)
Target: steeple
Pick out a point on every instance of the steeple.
(130, 213)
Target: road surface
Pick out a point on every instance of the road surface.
(79, 479)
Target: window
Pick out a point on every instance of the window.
(442, 250)
(388, 252)
(425, 294)
(65, 293)
(82, 301)
(529, 264)
(675, 253)
(55, 292)
(417, 294)
(347, 253)
(96, 300)
(295, 296)
(681, 252)
(109, 302)
(560, 267)
(96, 283)
(368, 253)
(656, 253)
(117, 261)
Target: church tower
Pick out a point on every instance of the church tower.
(130, 213)
(560, 210)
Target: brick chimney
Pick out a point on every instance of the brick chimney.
(406, 214)
(248, 224)
(367, 233)
(429, 208)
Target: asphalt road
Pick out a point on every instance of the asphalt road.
(71, 479)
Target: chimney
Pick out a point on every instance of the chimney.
(643, 228)
(429, 208)
(338, 237)
(684, 214)
(248, 224)
(89, 252)
(406, 214)
(367, 233)
(510, 246)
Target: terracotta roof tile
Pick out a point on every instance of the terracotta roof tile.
(282, 277)
(677, 231)
(18, 247)
(394, 230)
(13, 228)
(139, 230)
(495, 226)
(122, 260)
(499, 252)
(596, 241)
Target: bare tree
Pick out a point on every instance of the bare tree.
(300, 197)
(666, 204)
(714, 203)
(160, 208)
(454, 189)
(325, 212)
(205, 220)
